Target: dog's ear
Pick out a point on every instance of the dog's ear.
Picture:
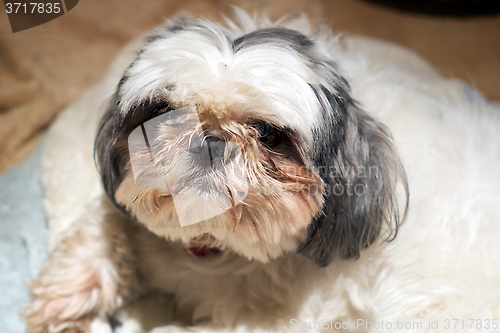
(111, 146)
(360, 171)
(108, 158)
(111, 149)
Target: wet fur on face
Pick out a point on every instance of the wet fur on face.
(326, 189)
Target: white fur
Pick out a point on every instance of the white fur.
(444, 262)
(206, 71)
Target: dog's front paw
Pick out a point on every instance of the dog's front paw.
(56, 314)
(68, 299)
(78, 282)
(55, 308)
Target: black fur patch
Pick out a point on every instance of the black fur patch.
(175, 25)
(359, 168)
(111, 149)
(277, 36)
(354, 158)
(348, 143)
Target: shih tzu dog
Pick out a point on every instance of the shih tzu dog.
(259, 172)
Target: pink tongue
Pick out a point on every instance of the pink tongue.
(201, 251)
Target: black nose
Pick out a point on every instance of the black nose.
(207, 151)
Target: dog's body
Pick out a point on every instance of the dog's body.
(443, 264)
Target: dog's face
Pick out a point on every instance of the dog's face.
(256, 136)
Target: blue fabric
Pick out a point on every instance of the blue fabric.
(23, 238)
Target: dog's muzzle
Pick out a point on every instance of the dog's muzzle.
(208, 151)
(204, 173)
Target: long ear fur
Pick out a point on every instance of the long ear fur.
(360, 170)
(111, 148)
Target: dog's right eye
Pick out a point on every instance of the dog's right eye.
(269, 135)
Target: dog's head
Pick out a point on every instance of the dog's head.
(252, 134)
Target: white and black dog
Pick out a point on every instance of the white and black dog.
(291, 159)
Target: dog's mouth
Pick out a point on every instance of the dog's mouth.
(202, 251)
(202, 246)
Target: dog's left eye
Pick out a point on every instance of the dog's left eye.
(269, 135)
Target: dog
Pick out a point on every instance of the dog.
(273, 178)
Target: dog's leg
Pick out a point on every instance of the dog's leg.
(88, 274)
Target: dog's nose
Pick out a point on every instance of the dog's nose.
(207, 151)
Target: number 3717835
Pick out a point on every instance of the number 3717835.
(32, 8)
